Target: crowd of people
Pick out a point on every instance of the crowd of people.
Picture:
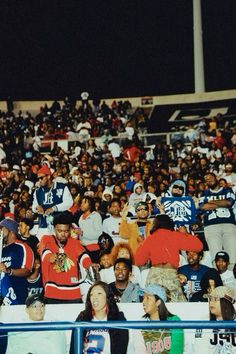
(109, 222)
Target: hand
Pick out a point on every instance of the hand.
(53, 258)
(208, 206)
(95, 266)
(161, 207)
(124, 211)
(39, 209)
(3, 268)
(182, 279)
(182, 229)
(48, 211)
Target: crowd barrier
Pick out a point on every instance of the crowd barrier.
(78, 328)
(62, 317)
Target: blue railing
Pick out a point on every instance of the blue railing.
(78, 327)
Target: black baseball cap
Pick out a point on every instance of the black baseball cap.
(33, 298)
(222, 254)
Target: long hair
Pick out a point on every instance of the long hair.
(117, 247)
(227, 311)
(162, 309)
(112, 308)
(162, 221)
(90, 201)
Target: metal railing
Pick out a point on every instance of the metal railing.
(79, 327)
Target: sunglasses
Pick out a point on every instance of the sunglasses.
(178, 187)
(140, 209)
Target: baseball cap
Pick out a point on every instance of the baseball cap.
(33, 298)
(154, 289)
(222, 292)
(222, 254)
(10, 224)
(44, 170)
(141, 204)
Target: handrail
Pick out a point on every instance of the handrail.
(78, 327)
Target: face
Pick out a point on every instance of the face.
(214, 306)
(193, 258)
(62, 232)
(23, 229)
(115, 209)
(43, 180)
(107, 197)
(150, 304)
(138, 190)
(122, 273)
(221, 265)
(98, 299)
(84, 205)
(177, 191)
(210, 180)
(123, 253)
(142, 212)
(36, 311)
(105, 261)
(212, 285)
(5, 232)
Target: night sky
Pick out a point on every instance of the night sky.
(123, 48)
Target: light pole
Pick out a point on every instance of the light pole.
(199, 79)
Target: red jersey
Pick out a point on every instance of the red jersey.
(61, 279)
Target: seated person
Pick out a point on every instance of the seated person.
(222, 263)
(122, 288)
(191, 274)
(41, 342)
(210, 280)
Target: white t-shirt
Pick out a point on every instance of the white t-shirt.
(228, 279)
(97, 340)
(41, 342)
(212, 342)
(111, 227)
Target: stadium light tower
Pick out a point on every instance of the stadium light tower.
(199, 79)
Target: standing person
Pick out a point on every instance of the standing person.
(135, 231)
(48, 198)
(221, 308)
(137, 195)
(101, 306)
(111, 225)
(219, 220)
(178, 205)
(90, 224)
(61, 256)
(25, 225)
(40, 342)
(17, 262)
(162, 249)
(171, 341)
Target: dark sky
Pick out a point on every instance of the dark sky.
(123, 48)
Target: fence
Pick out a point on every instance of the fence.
(79, 327)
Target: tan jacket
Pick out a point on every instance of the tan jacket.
(130, 232)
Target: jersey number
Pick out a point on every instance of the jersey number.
(95, 343)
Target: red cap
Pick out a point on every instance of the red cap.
(44, 170)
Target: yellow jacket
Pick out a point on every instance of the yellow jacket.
(130, 232)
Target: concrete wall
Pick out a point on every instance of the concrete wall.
(34, 106)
